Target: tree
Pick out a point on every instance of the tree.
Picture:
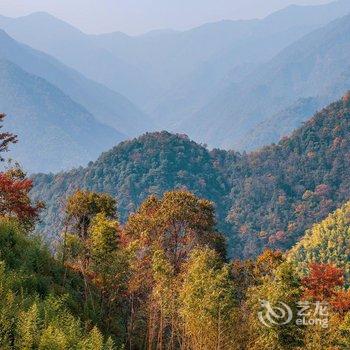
(104, 237)
(341, 301)
(326, 283)
(322, 281)
(6, 138)
(281, 285)
(108, 263)
(93, 246)
(15, 187)
(267, 262)
(14, 198)
(161, 235)
(207, 303)
(346, 98)
(178, 222)
(82, 206)
(249, 273)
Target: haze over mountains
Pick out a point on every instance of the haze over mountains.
(55, 132)
(231, 84)
(100, 105)
(108, 106)
(314, 66)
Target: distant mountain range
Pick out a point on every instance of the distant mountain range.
(54, 131)
(106, 105)
(217, 82)
(279, 125)
(232, 84)
(263, 199)
(100, 105)
(78, 50)
(315, 66)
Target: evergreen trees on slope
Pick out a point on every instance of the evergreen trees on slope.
(151, 164)
(327, 242)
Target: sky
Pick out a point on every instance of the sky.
(139, 16)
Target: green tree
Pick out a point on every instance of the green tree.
(161, 235)
(83, 206)
(208, 306)
(282, 285)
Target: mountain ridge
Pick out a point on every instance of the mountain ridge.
(314, 66)
(258, 195)
(106, 105)
(62, 133)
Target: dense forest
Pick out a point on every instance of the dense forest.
(151, 164)
(283, 189)
(266, 198)
(162, 279)
(326, 242)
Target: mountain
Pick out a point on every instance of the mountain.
(76, 49)
(106, 105)
(55, 132)
(326, 242)
(241, 46)
(150, 164)
(171, 75)
(269, 197)
(173, 55)
(281, 190)
(314, 66)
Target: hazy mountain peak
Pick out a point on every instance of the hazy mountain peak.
(41, 14)
(44, 20)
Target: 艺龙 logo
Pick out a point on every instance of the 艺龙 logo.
(276, 315)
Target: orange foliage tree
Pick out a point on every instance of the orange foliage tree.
(326, 283)
(322, 281)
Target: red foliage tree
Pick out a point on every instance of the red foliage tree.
(15, 200)
(341, 301)
(14, 187)
(322, 281)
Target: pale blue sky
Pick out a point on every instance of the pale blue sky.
(138, 16)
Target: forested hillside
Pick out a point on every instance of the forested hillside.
(161, 278)
(41, 302)
(326, 242)
(114, 236)
(268, 197)
(151, 164)
(280, 190)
